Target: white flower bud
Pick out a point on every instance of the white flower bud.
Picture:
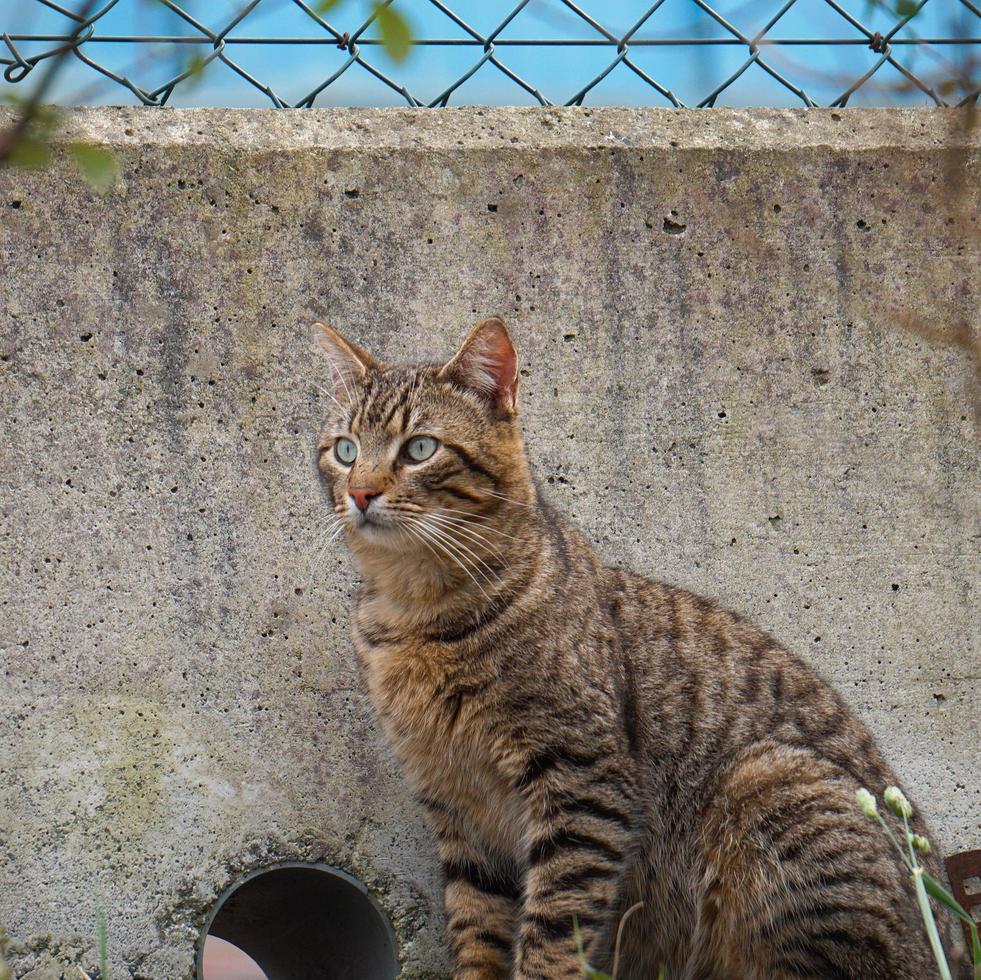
(866, 803)
(897, 802)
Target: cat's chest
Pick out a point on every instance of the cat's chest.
(438, 718)
(427, 705)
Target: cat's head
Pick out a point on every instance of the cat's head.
(415, 456)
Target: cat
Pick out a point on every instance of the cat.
(586, 742)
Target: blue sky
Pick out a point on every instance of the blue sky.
(558, 72)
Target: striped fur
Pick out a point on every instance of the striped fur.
(583, 739)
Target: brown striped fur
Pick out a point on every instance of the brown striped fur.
(584, 739)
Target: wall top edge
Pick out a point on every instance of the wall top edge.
(517, 129)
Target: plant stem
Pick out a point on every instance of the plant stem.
(909, 842)
(931, 925)
(892, 837)
(616, 947)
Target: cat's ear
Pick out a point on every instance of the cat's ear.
(348, 362)
(487, 363)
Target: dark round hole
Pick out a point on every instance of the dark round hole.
(305, 922)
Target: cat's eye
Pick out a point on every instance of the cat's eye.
(346, 451)
(420, 448)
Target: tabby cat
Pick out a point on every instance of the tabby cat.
(583, 739)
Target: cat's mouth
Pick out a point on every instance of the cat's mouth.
(372, 524)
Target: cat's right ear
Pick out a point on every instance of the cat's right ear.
(348, 362)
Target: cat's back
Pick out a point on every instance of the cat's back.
(708, 682)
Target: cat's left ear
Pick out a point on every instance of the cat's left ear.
(348, 362)
(487, 363)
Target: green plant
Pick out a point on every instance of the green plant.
(27, 143)
(100, 942)
(100, 938)
(5, 972)
(924, 884)
(394, 29)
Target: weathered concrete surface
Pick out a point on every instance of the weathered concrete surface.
(713, 385)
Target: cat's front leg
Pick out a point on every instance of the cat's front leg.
(479, 924)
(480, 899)
(580, 837)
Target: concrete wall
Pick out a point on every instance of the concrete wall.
(713, 384)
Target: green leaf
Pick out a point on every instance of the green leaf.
(906, 8)
(195, 69)
(30, 152)
(326, 6)
(940, 894)
(396, 35)
(100, 934)
(46, 118)
(587, 971)
(98, 166)
(577, 932)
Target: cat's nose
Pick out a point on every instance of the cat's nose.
(362, 496)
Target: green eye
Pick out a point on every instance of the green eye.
(346, 451)
(420, 448)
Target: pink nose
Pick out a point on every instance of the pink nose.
(362, 496)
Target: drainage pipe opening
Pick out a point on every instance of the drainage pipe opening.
(303, 922)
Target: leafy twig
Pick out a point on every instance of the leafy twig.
(19, 133)
(924, 885)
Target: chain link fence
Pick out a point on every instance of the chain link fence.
(670, 52)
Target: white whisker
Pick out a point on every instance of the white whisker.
(275, 369)
(452, 534)
(462, 549)
(461, 527)
(326, 525)
(334, 399)
(482, 527)
(328, 394)
(330, 530)
(426, 532)
(326, 539)
(339, 374)
(502, 496)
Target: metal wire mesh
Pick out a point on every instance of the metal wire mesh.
(635, 50)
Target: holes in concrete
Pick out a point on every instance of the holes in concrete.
(299, 921)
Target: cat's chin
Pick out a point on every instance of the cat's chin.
(372, 531)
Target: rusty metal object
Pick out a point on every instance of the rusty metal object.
(964, 875)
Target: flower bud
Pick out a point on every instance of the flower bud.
(866, 803)
(897, 802)
(920, 843)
